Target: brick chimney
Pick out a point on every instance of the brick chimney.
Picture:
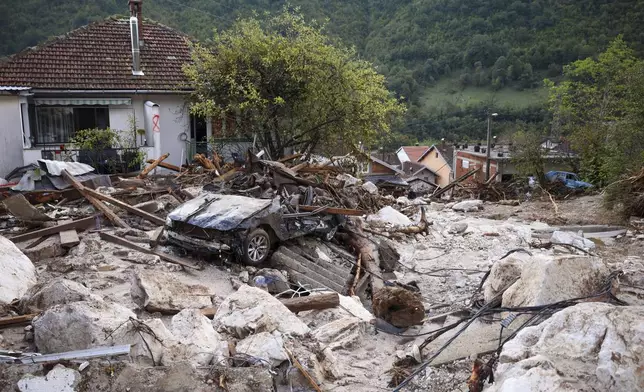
(136, 10)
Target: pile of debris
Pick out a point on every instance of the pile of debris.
(384, 291)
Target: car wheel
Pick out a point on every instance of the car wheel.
(257, 247)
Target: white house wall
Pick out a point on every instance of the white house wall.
(174, 120)
(10, 134)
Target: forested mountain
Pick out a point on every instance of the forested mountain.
(452, 60)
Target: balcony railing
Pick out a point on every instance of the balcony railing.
(107, 161)
(224, 148)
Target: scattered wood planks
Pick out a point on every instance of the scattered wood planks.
(131, 209)
(16, 320)
(332, 210)
(79, 224)
(312, 302)
(154, 164)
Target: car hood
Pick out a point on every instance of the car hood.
(220, 212)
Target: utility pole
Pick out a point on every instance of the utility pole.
(489, 146)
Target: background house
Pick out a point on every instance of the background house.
(469, 157)
(439, 160)
(122, 73)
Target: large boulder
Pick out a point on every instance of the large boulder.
(504, 273)
(547, 280)
(78, 325)
(56, 292)
(588, 347)
(251, 309)
(161, 290)
(269, 347)
(17, 273)
(197, 340)
(468, 206)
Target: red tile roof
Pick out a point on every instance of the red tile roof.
(99, 57)
(415, 152)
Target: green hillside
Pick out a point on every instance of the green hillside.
(452, 60)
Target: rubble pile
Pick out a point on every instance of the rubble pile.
(259, 275)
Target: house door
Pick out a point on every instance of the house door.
(199, 134)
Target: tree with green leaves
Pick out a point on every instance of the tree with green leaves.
(599, 105)
(291, 86)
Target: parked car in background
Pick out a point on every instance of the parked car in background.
(570, 180)
(245, 227)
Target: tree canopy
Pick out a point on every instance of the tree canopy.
(600, 106)
(287, 83)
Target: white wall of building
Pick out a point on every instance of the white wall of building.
(174, 120)
(11, 141)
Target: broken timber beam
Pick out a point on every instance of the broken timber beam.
(312, 302)
(332, 210)
(164, 256)
(166, 165)
(16, 320)
(96, 203)
(131, 209)
(80, 224)
(289, 158)
(68, 238)
(154, 164)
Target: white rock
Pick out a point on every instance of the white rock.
(388, 215)
(403, 201)
(468, 206)
(355, 308)
(251, 309)
(17, 273)
(59, 379)
(244, 276)
(201, 344)
(163, 290)
(57, 292)
(78, 325)
(370, 187)
(264, 345)
(588, 347)
(503, 273)
(570, 238)
(343, 333)
(545, 280)
(457, 228)
(348, 179)
(147, 349)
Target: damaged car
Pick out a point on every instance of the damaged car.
(245, 227)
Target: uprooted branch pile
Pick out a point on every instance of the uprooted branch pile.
(301, 184)
(627, 195)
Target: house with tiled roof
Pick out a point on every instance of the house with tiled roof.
(121, 73)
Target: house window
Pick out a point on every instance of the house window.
(437, 154)
(58, 124)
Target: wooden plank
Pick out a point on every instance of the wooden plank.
(80, 224)
(166, 165)
(154, 164)
(37, 242)
(312, 302)
(96, 203)
(68, 238)
(299, 167)
(164, 256)
(332, 210)
(131, 209)
(16, 320)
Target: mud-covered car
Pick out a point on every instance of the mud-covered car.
(245, 227)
